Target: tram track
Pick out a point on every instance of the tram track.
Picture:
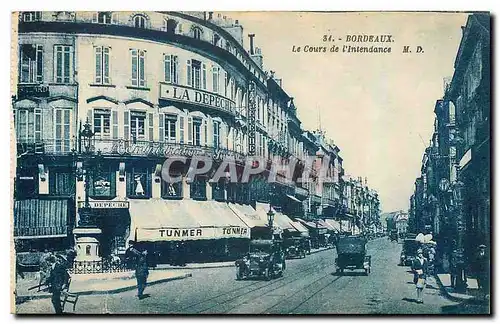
(235, 293)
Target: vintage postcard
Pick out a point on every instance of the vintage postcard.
(251, 162)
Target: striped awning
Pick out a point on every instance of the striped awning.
(41, 218)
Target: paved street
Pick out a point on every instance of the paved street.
(309, 286)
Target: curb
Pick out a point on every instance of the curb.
(21, 299)
(231, 264)
(449, 296)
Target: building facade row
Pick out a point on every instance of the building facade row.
(150, 87)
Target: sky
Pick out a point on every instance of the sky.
(377, 108)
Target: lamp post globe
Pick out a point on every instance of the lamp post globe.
(86, 136)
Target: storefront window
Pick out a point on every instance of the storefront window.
(139, 183)
(198, 189)
(218, 191)
(171, 190)
(103, 183)
(61, 182)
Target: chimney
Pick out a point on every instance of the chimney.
(251, 36)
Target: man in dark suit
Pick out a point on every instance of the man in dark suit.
(141, 273)
(57, 280)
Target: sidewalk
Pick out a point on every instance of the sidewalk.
(472, 293)
(208, 265)
(98, 284)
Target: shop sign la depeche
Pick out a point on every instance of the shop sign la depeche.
(195, 96)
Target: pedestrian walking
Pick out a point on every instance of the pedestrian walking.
(141, 273)
(46, 261)
(57, 281)
(419, 267)
(481, 267)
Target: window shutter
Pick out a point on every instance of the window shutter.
(135, 62)
(39, 63)
(90, 116)
(126, 125)
(190, 130)
(112, 180)
(98, 64)
(114, 122)
(94, 17)
(181, 129)
(142, 69)
(204, 76)
(167, 68)
(188, 73)
(204, 134)
(229, 138)
(151, 128)
(105, 65)
(114, 18)
(161, 127)
(38, 125)
(210, 132)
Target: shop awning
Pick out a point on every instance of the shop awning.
(249, 215)
(313, 226)
(181, 220)
(293, 198)
(41, 218)
(301, 228)
(332, 224)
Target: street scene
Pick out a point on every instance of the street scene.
(309, 286)
(217, 163)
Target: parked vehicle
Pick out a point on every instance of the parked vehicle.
(351, 254)
(295, 248)
(266, 259)
(394, 236)
(409, 252)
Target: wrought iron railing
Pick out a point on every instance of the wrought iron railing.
(99, 266)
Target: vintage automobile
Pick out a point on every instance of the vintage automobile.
(394, 236)
(295, 247)
(409, 252)
(351, 254)
(265, 259)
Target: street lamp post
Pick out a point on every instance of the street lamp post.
(458, 188)
(270, 213)
(86, 136)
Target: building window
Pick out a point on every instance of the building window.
(62, 130)
(102, 122)
(171, 65)
(61, 182)
(138, 69)
(102, 65)
(28, 125)
(63, 64)
(197, 131)
(137, 120)
(197, 33)
(30, 16)
(170, 26)
(215, 40)
(196, 74)
(139, 21)
(216, 132)
(139, 183)
(226, 83)
(104, 17)
(171, 190)
(215, 79)
(31, 63)
(170, 128)
(198, 189)
(103, 182)
(181, 129)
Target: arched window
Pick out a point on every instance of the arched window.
(139, 21)
(197, 32)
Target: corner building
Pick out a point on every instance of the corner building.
(152, 86)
